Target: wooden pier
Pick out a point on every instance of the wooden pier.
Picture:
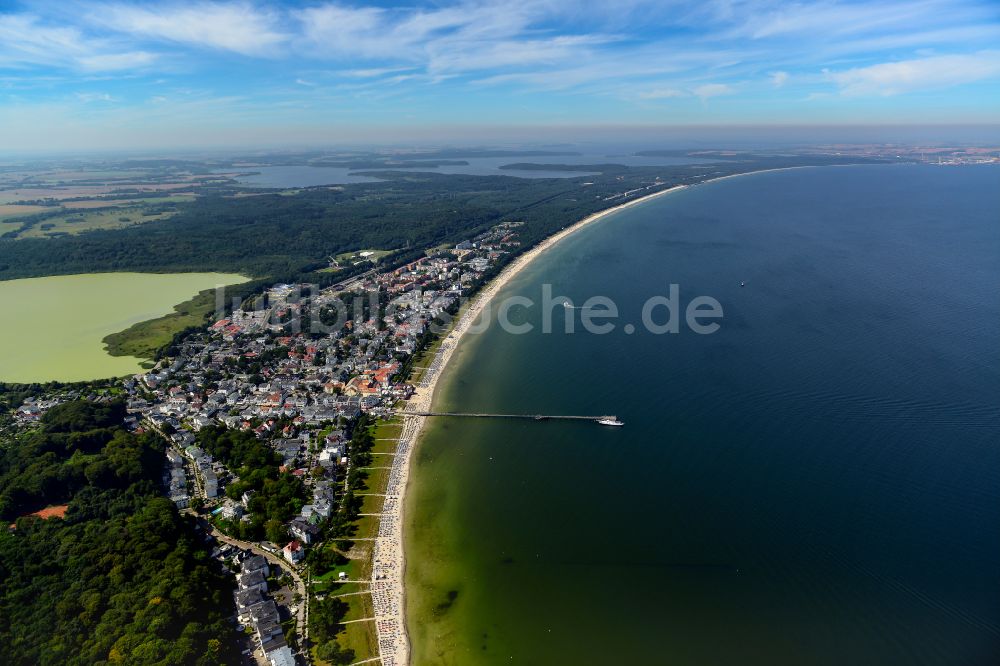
(534, 417)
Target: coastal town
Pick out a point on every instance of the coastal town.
(301, 376)
(384, 333)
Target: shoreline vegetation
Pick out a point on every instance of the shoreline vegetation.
(76, 322)
(389, 557)
(148, 339)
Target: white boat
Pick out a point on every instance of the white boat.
(611, 421)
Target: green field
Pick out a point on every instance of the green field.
(9, 225)
(112, 200)
(80, 221)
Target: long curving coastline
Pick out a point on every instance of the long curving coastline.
(388, 588)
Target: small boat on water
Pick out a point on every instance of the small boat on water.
(742, 283)
(610, 421)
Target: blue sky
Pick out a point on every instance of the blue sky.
(80, 74)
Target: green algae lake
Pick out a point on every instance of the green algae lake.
(54, 327)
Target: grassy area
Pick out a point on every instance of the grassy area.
(351, 568)
(9, 225)
(422, 360)
(439, 248)
(144, 339)
(80, 221)
(350, 257)
(388, 429)
(105, 203)
(360, 637)
(377, 479)
(328, 583)
(347, 258)
(334, 588)
(359, 606)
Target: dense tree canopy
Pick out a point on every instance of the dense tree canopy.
(277, 495)
(277, 235)
(122, 579)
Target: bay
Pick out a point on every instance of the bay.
(816, 483)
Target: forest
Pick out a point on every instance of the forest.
(276, 495)
(286, 235)
(274, 234)
(122, 578)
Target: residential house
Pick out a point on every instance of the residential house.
(253, 581)
(256, 563)
(303, 530)
(294, 552)
(247, 599)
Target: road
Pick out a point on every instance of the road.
(301, 616)
(188, 463)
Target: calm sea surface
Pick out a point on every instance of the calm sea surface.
(818, 483)
(308, 176)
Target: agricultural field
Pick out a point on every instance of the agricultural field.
(54, 193)
(104, 203)
(8, 211)
(77, 222)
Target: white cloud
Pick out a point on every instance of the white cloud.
(818, 21)
(25, 40)
(893, 78)
(116, 61)
(94, 97)
(631, 50)
(466, 37)
(662, 93)
(375, 72)
(707, 90)
(332, 29)
(239, 27)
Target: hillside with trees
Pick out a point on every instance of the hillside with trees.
(122, 578)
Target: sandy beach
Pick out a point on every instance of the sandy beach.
(388, 588)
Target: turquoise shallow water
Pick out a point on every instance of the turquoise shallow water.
(816, 483)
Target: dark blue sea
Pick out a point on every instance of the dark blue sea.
(816, 483)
